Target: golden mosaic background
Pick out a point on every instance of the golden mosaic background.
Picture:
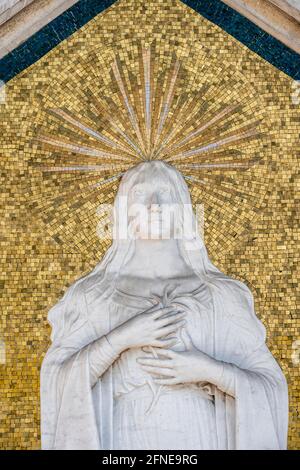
(48, 223)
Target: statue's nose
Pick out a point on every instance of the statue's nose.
(154, 201)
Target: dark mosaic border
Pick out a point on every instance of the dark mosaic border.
(50, 36)
(242, 29)
(216, 11)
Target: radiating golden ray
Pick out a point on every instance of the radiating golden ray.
(224, 181)
(159, 87)
(213, 145)
(130, 141)
(209, 190)
(156, 107)
(98, 168)
(88, 151)
(116, 124)
(231, 125)
(146, 52)
(228, 185)
(191, 140)
(167, 100)
(74, 178)
(214, 155)
(219, 116)
(70, 193)
(82, 188)
(193, 178)
(225, 165)
(195, 113)
(186, 121)
(156, 74)
(91, 132)
(128, 106)
(137, 100)
(112, 178)
(161, 125)
(176, 124)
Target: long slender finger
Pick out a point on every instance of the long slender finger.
(163, 311)
(172, 328)
(179, 305)
(174, 311)
(162, 352)
(153, 308)
(156, 298)
(166, 381)
(155, 362)
(165, 343)
(170, 335)
(169, 319)
(159, 371)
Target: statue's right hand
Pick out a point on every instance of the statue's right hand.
(152, 327)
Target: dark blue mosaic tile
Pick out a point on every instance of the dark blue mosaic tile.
(214, 10)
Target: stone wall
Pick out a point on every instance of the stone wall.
(9, 8)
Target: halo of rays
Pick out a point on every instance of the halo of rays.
(154, 120)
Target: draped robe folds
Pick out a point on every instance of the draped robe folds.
(76, 415)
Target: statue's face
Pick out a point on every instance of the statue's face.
(149, 204)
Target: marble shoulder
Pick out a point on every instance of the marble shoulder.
(82, 286)
(74, 309)
(236, 303)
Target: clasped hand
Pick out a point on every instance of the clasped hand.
(175, 367)
(154, 330)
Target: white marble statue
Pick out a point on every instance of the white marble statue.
(156, 348)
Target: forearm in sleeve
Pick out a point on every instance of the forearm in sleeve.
(222, 375)
(226, 380)
(101, 356)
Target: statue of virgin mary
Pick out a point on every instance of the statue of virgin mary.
(156, 348)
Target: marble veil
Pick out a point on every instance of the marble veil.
(76, 416)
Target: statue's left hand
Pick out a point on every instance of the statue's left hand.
(177, 367)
